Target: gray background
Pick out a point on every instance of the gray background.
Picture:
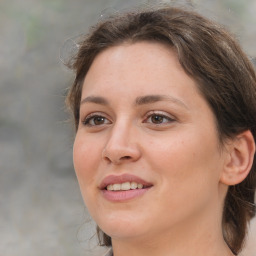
(41, 210)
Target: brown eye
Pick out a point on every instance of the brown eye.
(157, 119)
(95, 120)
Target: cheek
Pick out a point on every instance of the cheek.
(86, 156)
(185, 160)
(188, 174)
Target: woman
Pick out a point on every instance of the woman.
(164, 104)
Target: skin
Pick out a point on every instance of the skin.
(180, 155)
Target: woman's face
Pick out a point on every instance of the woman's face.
(146, 153)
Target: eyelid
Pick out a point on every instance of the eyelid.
(171, 118)
(88, 117)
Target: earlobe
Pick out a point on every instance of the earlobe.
(239, 159)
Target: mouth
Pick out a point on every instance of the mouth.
(124, 187)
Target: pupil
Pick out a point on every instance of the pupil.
(157, 119)
(98, 120)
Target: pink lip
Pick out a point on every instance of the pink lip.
(119, 196)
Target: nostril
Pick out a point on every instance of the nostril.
(126, 157)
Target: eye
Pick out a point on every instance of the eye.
(157, 118)
(95, 120)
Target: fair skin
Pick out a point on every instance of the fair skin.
(168, 141)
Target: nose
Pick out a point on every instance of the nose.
(122, 145)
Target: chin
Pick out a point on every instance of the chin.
(122, 228)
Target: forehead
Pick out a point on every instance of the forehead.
(144, 66)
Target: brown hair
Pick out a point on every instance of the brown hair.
(225, 77)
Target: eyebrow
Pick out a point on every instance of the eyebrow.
(148, 99)
(95, 99)
(142, 100)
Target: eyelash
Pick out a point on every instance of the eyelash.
(92, 117)
(161, 115)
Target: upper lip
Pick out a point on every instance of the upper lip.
(119, 179)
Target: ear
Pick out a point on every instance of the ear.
(239, 159)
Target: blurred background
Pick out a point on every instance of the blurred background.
(41, 209)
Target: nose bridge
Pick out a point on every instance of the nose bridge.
(121, 144)
(121, 130)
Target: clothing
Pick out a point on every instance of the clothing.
(109, 252)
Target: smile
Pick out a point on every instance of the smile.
(124, 187)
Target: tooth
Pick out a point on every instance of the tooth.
(116, 186)
(134, 185)
(110, 187)
(125, 186)
(140, 185)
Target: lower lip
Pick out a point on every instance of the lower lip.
(119, 196)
